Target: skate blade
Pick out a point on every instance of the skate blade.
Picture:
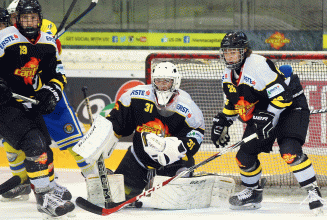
(318, 211)
(250, 206)
(16, 199)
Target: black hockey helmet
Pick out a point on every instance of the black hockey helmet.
(4, 16)
(234, 40)
(28, 7)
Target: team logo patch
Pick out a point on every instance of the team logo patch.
(42, 159)
(275, 90)
(289, 158)
(197, 135)
(69, 128)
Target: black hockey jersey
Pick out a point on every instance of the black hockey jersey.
(259, 86)
(136, 112)
(26, 66)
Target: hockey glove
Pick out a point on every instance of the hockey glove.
(165, 151)
(263, 121)
(219, 131)
(49, 95)
(5, 92)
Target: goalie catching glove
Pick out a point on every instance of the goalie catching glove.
(48, 97)
(219, 131)
(165, 151)
(263, 121)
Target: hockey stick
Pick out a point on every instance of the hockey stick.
(33, 101)
(318, 111)
(10, 184)
(91, 6)
(100, 162)
(114, 207)
(69, 11)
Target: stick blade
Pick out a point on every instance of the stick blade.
(88, 206)
(10, 184)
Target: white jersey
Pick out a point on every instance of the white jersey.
(136, 111)
(259, 86)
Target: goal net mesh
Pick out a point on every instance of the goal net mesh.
(201, 78)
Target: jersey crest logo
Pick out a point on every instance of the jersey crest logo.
(156, 127)
(69, 128)
(29, 70)
(245, 109)
(8, 39)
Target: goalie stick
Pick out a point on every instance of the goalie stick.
(100, 162)
(114, 207)
(91, 6)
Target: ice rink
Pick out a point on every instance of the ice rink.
(275, 206)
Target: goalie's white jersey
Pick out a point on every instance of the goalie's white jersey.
(136, 111)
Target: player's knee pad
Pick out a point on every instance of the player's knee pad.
(247, 162)
(95, 189)
(35, 147)
(200, 191)
(291, 151)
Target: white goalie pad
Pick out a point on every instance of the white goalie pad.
(192, 193)
(100, 139)
(95, 192)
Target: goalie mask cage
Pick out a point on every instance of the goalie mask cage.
(201, 78)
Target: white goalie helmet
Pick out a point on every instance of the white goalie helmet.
(165, 80)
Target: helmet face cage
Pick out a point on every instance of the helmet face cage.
(228, 52)
(234, 40)
(29, 7)
(166, 72)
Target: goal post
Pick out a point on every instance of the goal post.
(201, 78)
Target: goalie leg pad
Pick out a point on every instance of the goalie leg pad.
(100, 139)
(192, 193)
(95, 192)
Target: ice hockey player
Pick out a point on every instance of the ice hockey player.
(272, 106)
(33, 56)
(167, 127)
(66, 132)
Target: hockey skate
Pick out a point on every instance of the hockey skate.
(52, 205)
(62, 192)
(316, 202)
(19, 193)
(249, 198)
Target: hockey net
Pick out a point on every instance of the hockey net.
(201, 78)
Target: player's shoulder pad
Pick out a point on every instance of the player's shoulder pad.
(192, 113)
(257, 73)
(48, 27)
(9, 36)
(137, 92)
(47, 38)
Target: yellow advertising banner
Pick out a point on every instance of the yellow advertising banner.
(324, 41)
(139, 39)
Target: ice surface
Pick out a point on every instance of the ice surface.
(275, 206)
